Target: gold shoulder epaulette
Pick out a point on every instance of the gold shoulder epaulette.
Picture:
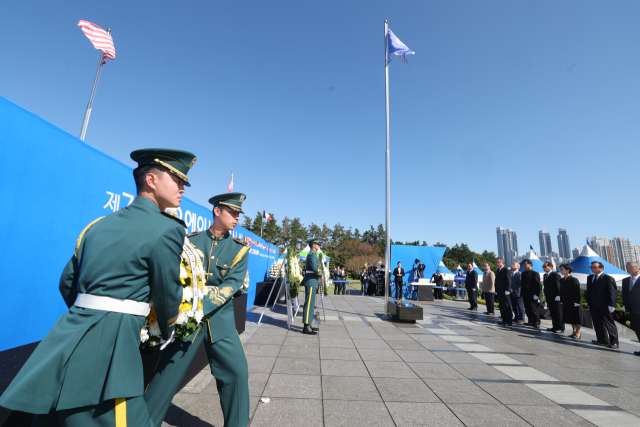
(175, 218)
(195, 233)
(83, 233)
(242, 242)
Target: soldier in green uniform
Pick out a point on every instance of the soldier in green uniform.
(87, 370)
(225, 260)
(310, 283)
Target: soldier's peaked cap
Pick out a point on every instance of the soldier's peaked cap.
(178, 162)
(313, 240)
(230, 200)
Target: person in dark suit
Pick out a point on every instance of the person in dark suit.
(552, 293)
(602, 294)
(472, 285)
(503, 289)
(572, 311)
(516, 296)
(530, 286)
(398, 276)
(438, 280)
(631, 297)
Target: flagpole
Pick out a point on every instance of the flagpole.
(387, 254)
(261, 222)
(87, 113)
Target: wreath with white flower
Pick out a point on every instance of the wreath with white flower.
(193, 279)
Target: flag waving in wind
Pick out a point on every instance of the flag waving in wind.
(230, 189)
(266, 216)
(398, 48)
(100, 38)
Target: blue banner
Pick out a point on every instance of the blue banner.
(55, 185)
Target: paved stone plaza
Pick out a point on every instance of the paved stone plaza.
(454, 368)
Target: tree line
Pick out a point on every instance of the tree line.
(348, 247)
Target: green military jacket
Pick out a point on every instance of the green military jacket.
(90, 356)
(226, 260)
(312, 270)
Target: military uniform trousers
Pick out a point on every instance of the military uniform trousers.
(111, 413)
(228, 365)
(309, 304)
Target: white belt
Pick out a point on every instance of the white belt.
(126, 306)
(311, 272)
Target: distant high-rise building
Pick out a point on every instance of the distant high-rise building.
(636, 253)
(507, 244)
(576, 253)
(564, 247)
(546, 246)
(623, 251)
(602, 246)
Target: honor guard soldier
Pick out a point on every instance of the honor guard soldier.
(87, 370)
(225, 260)
(310, 283)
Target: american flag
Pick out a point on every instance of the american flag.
(100, 38)
(230, 189)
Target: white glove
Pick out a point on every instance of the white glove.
(576, 304)
(557, 298)
(611, 309)
(535, 297)
(507, 292)
(473, 289)
(164, 344)
(624, 308)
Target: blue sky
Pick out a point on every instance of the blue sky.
(521, 114)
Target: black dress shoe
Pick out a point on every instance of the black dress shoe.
(596, 342)
(528, 324)
(307, 330)
(314, 329)
(614, 345)
(536, 326)
(637, 353)
(551, 330)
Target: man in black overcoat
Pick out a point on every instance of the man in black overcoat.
(530, 287)
(472, 285)
(398, 278)
(631, 297)
(602, 294)
(552, 293)
(503, 289)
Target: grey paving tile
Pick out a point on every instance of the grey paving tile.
(271, 330)
(479, 371)
(303, 352)
(336, 334)
(349, 388)
(285, 365)
(459, 391)
(379, 355)
(514, 394)
(338, 413)
(296, 386)
(422, 355)
(435, 371)
(453, 358)
(564, 394)
(344, 368)
(283, 412)
(266, 339)
(302, 341)
(364, 335)
(377, 344)
(199, 382)
(421, 414)
(539, 416)
(486, 415)
(257, 382)
(616, 396)
(260, 364)
(395, 336)
(438, 345)
(389, 369)
(609, 418)
(611, 377)
(569, 375)
(404, 390)
(339, 353)
(404, 345)
(261, 349)
(336, 342)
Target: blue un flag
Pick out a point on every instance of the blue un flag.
(398, 48)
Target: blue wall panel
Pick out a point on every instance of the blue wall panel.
(53, 185)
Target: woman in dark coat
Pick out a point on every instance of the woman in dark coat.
(572, 310)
